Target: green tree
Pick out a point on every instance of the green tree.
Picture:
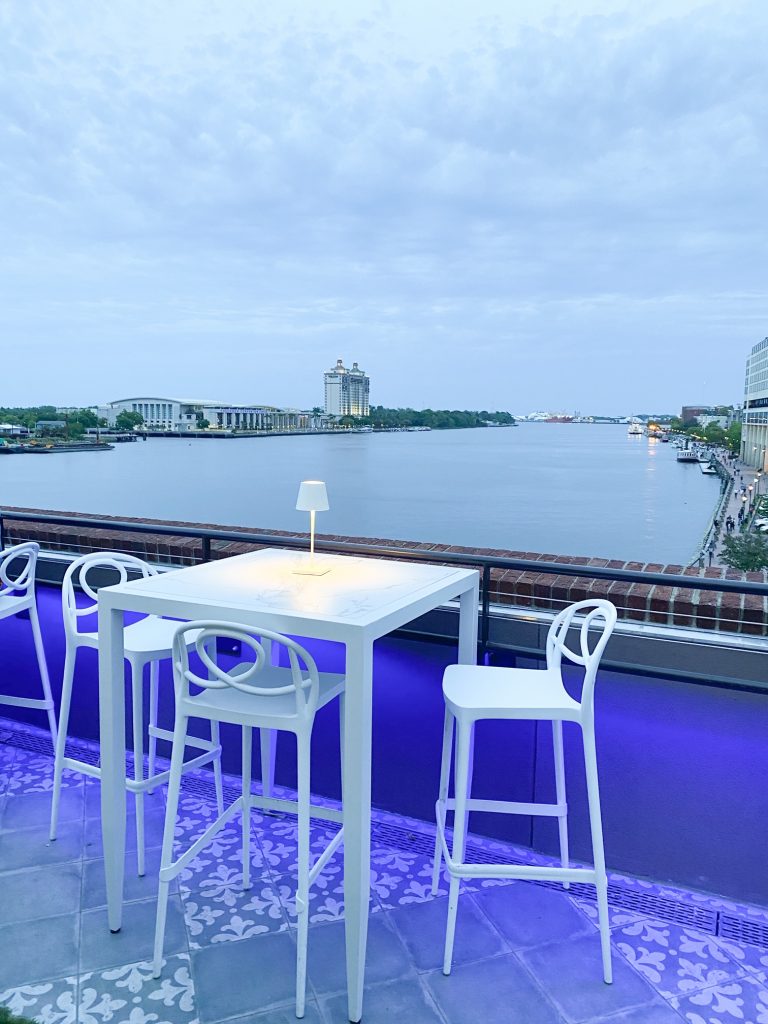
(714, 433)
(733, 437)
(746, 551)
(126, 420)
(203, 423)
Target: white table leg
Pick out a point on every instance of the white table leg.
(468, 604)
(357, 815)
(112, 744)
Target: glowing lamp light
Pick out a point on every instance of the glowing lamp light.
(312, 498)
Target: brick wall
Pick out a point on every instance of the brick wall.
(652, 603)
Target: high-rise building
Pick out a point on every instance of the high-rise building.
(346, 391)
(754, 432)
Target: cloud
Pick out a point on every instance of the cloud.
(276, 190)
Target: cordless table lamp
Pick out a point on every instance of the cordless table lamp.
(313, 497)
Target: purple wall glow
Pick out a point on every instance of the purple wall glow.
(682, 767)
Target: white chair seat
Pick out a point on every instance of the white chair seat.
(11, 605)
(230, 704)
(151, 636)
(487, 691)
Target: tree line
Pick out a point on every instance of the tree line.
(75, 423)
(435, 419)
(713, 433)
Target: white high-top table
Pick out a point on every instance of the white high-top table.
(355, 603)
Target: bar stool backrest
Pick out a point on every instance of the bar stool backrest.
(304, 684)
(18, 579)
(596, 615)
(86, 567)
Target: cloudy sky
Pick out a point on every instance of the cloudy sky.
(521, 204)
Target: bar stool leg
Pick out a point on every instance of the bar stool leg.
(169, 829)
(268, 753)
(137, 685)
(342, 714)
(246, 796)
(442, 796)
(461, 784)
(562, 821)
(210, 650)
(42, 665)
(154, 678)
(217, 780)
(61, 738)
(598, 852)
(302, 892)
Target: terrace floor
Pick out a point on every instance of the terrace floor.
(525, 952)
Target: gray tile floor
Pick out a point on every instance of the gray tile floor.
(524, 952)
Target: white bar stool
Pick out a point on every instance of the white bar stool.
(147, 641)
(282, 699)
(17, 594)
(475, 692)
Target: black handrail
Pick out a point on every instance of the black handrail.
(485, 562)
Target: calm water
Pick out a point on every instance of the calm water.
(563, 488)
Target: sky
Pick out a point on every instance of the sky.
(516, 205)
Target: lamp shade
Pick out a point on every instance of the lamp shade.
(313, 496)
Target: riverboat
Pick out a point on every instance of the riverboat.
(687, 455)
(635, 429)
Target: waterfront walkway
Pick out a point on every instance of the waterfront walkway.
(741, 476)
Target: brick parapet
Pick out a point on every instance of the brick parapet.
(546, 591)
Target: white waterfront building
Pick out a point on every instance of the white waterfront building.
(346, 390)
(754, 431)
(183, 414)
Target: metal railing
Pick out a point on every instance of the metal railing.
(207, 539)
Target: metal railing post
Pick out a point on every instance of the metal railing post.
(485, 611)
(206, 555)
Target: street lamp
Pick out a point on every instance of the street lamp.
(749, 494)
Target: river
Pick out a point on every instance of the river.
(573, 489)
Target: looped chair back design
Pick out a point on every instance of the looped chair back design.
(80, 573)
(593, 615)
(17, 569)
(304, 685)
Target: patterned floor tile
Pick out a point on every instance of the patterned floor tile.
(744, 1000)
(51, 1002)
(675, 960)
(617, 916)
(216, 915)
(33, 773)
(326, 898)
(754, 959)
(130, 995)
